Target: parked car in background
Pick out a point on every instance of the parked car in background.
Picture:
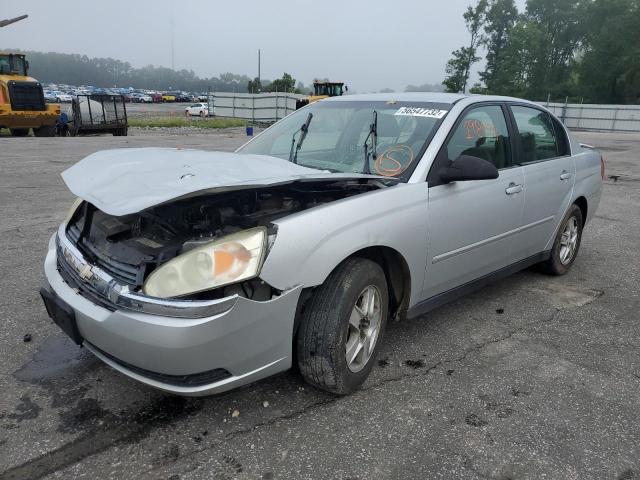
(197, 109)
(156, 97)
(62, 97)
(141, 98)
(49, 97)
(168, 97)
(226, 268)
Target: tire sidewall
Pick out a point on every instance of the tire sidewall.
(345, 286)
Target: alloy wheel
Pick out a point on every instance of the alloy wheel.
(364, 327)
(569, 241)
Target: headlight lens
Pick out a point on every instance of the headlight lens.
(231, 259)
(74, 206)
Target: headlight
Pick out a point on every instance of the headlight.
(74, 206)
(231, 259)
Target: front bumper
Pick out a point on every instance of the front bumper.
(23, 119)
(249, 340)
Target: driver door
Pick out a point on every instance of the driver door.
(472, 224)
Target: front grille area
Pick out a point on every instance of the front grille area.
(71, 277)
(124, 273)
(26, 96)
(195, 380)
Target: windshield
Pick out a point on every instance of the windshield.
(12, 64)
(337, 134)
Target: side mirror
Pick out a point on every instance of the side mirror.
(466, 167)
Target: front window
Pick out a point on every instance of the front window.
(338, 132)
(482, 133)
(12, 64)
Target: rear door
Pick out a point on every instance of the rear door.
(549, 175)
(472, 223)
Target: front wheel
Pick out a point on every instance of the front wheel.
(567, 243)
(45, 131)
(19, 132)
(342, 327)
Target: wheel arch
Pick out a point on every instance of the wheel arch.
(397, 274)
(581, 202)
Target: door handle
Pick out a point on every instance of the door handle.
(565, 175)
(512, 189)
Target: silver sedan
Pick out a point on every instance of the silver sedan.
(196, 272)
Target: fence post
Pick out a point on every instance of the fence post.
(253, 109)
(233, 106)
(581, 112)
(548, 99)
(564, 110)
(615, 117)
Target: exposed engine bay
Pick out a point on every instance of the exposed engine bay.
(130, 247)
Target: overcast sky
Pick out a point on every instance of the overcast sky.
(368, 44)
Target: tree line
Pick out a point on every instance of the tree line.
(586, 50)
(74, 69)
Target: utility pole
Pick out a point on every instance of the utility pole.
(9, 21)
(173, 50)
(259, 81)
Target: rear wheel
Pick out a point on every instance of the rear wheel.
(567, 243)
(342, 327)
(45, 131)
(19, 132)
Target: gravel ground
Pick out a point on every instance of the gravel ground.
(532, 377)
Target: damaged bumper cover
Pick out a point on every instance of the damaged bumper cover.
(184, 347)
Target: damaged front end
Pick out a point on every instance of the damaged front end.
(113, 260)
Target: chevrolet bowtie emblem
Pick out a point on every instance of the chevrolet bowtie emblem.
(85, 272)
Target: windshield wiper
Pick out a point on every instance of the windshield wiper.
(293, 157)
(373, 134)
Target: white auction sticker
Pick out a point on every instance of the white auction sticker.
(421, 112)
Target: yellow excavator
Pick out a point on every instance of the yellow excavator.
(322, 90)
(22, 104)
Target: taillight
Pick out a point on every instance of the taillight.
(602, 167)
(2, 99)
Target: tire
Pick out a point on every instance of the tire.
(45, 131)
(326, 331)
(570, 231)
(120, 132)
(19, 132)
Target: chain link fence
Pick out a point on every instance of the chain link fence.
(609, 118)
(258, 108)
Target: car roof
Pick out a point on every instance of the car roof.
(430, 97)
(427, 97)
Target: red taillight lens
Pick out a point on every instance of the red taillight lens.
(602, 168)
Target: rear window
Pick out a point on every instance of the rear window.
(537, 134)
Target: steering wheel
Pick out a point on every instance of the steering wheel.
(393, 161)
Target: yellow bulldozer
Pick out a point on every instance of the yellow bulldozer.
(22, 104)
(322, 90)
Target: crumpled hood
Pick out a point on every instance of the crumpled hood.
(128, 180)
